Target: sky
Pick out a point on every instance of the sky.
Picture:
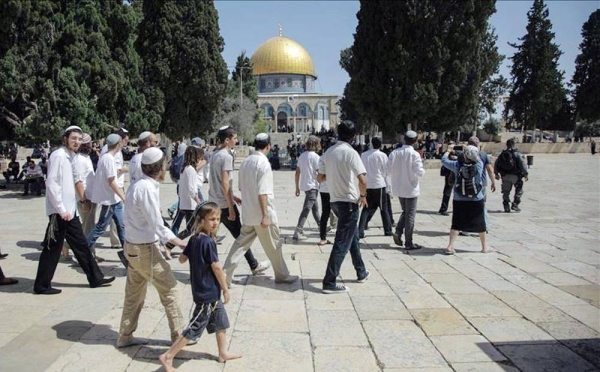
(324, 28)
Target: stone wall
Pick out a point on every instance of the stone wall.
(539, 147)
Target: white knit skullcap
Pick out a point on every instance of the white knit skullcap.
(152, 155)
(144, 135)
(86, 138)
(262, 137)
(72, 127)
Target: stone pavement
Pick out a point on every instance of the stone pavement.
(532, 306)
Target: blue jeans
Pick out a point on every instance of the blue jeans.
(108, 213)
(346, 238)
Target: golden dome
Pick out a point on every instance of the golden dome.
(282, 55)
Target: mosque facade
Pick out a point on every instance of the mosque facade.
(286, 79)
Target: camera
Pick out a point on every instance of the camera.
(458, 148)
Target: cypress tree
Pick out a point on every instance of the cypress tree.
(180, 44)
(537, 91)
(586, 80)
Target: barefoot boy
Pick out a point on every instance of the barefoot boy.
(207, 281)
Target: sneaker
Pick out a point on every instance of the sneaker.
(364, 278)
(287, 280)
(170, 212)
(262, 266)
(336, 289)
(515, 207)
(398, 240)
(299, 236)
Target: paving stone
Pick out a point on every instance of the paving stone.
(274, 316)
(571, 330)
(586, 314)
(507, 330)
(545, 357)
(531, 307)
(441, 322)
(557, 279)
(483, 367)
(474, 305)
(466, 349)
(577, 268)
(419, 296)
(344, 359)
(380, 308)
(530, 265)
(318, 301)
(388, 337)
(589, 293)
(336, 328)
(433, 267)
(497, 284)
(286, 352)
(553, 295)
(265, 288)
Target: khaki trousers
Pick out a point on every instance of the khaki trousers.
(146, 264)
(271, 242)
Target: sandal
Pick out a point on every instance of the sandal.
(323, 242)
(8, 281)
(489, 250)
(449, 252)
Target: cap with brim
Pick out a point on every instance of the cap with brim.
(196, 141)
(152, 155)
(86, 138)
(411, 134)
(144, 135)
(113, 139)
(72, 127)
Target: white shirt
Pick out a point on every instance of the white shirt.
(135, 168)
(60, 187)
(308, 163)
(102, 193)
(342, 166)
(405, 167)
(188, 189)
(83, 171)
(256, 178)
(142, 218)
(35, 172)
(119, 160)
(375, 163)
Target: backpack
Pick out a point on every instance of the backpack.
(506, 162)
(468, 181)
(175, 168)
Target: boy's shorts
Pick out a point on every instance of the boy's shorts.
(211, 316)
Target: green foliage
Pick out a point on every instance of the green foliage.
(243, 71)
(586, 80)
(588, 129)
(70, 63)
(492, 126)
(260, 126)
(537, 92)
(184, 71)
(420, 62)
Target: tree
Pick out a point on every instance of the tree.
(494, 86)
(537, 91)
(184, 69)
(243, 71)
(416, 62)
(586, 80)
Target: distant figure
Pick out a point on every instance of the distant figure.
(511, 166)
(593, 146)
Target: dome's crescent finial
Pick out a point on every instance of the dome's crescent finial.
(280, 32)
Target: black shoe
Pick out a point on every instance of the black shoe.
(398, 240)
(388, 234)
(49, 291)
(103, 282)
(25, 194)
(121, 255)
(515, 207)
(3, 255)
(506, 208)
(361, 236)
(444, 213)
(335, 289)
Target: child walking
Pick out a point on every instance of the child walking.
(207, 281)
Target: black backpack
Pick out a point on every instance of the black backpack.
(175, 168)
(468, 181)
(506, 162)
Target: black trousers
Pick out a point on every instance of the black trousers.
(376, 198)
(57, 231)
(235, 228)
(447, 193)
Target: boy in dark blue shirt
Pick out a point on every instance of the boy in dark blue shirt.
(207, 281)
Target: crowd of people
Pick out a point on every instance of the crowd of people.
(352, 187)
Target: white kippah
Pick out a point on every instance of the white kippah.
(262, 137)
(86, 138)
(113, 139)
(224, 127)
(144, 135)
(152, 155)
(72, 127)
(411, 134)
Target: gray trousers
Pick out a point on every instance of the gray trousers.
(406, 223)
(508, 180)
(310, 205)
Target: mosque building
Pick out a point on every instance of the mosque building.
(286, 79)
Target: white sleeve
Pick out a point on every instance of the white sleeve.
(149, 205)
(53, 183)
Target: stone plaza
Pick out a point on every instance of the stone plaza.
(533, 305)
